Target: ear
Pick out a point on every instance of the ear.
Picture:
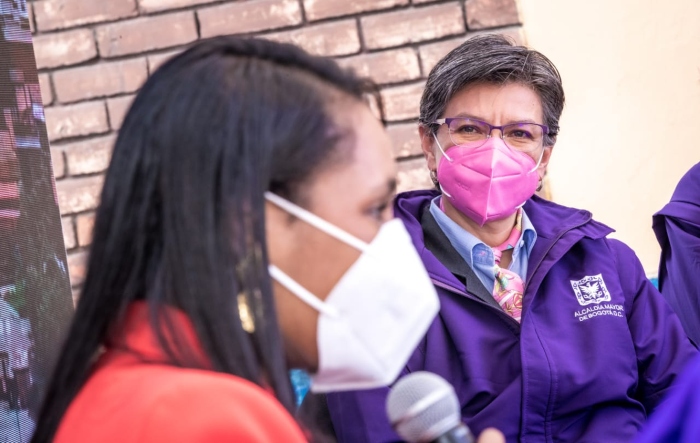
(546, 155)
(428, 146)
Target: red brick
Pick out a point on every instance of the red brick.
(412, 175)
(58, 14)
(79, 194)
(166, 5)
(64, 48)
(77, 267)
(146, 34)
(412, 25)
(328, 39)
(513, 32)
(45, 86)
(117, 109)
(385, 67)
(250, 16)
(58, 162)
(422, 2)
(405, 139)
(89, 156)
(319, 9)
(155, 60)
(102, 79)
(401, 102)
(68, 232)
(484, 14)
(84, 224)
(432, 53)
(76, 120)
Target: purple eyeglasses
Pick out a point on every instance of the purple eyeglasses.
(472, 133)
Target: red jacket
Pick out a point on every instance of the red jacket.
(135, 396)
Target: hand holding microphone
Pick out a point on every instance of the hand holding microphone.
(423, 408)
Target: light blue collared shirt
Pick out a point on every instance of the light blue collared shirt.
(477, 254)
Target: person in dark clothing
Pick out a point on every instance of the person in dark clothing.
(677, 228)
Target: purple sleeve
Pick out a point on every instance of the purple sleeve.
(662, 347)
(678, 418)
(360, 416)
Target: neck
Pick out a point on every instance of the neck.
(493, 233)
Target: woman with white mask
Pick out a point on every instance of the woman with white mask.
(245, 227)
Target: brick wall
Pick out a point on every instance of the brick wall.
(93, 55)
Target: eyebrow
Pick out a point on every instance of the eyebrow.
(509, 122)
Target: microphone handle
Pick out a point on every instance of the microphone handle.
(458, 434)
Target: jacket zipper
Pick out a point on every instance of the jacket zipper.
(499, 311)
(547, 430)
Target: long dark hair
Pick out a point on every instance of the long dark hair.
(181, 219)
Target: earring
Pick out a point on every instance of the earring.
(540, 185)
(247, 321)
(433, 177)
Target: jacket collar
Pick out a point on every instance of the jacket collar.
(437, 243)
(552, 222)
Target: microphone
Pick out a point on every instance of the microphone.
(423, 408)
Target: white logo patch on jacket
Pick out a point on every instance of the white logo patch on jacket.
(590, 290)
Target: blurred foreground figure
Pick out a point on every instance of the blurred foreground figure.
(678, 418)
(677, 228)
(245, 227)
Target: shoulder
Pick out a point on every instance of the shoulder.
(621, 249)
(192, 405)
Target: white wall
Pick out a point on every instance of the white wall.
(631, 125)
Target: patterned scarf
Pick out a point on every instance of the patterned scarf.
(508, 288)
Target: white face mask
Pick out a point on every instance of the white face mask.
(375, 315)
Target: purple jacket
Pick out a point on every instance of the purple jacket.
(677, 228)
(678, 418)
(597, 348)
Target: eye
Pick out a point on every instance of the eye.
(466, 128)
(381, 212)
(519, 133)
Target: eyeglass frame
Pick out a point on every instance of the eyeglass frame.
(448, 120)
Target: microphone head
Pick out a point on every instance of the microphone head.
(422, 406)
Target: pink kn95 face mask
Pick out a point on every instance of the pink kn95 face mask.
(489, 182)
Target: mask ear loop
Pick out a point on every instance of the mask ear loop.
(444, 154)
(538, 162)
(316, 221)
(301, 292)
(533, 170)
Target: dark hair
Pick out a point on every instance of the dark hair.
(181, 219)
(493, 58)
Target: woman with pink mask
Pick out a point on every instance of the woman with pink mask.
(548, 329)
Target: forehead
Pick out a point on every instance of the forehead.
(370, 159)
(371, 147)
(496, 103)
